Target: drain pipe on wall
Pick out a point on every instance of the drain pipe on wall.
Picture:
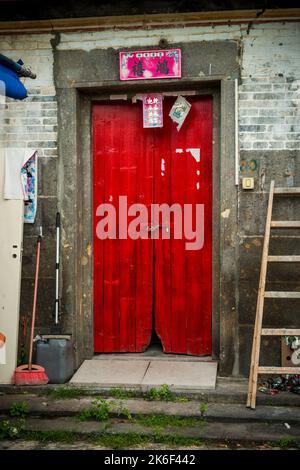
(236, 362)
(236, 119)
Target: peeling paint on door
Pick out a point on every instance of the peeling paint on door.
(195, 153)
(162, 167)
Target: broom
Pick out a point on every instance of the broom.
(32, 374)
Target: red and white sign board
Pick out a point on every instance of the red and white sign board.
(148, 65)
(152, 110)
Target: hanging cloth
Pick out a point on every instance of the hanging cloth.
(20, 179)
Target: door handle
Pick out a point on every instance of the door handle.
(152, 228)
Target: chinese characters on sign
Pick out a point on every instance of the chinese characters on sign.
(145, 65)
(152, 110)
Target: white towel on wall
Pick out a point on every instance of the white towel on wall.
(14, 160)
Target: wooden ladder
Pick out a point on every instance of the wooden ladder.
(255, 368)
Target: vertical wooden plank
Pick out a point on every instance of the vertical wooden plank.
(111, 323)
(199, 262)
(98, 196)
(144, 246)
(122, 309)
(128, 258)
(179, 298)
(184, 299)
(162, 261)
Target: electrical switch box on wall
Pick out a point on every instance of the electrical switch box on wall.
(248, 183)
(11, 235)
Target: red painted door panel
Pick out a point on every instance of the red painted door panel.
(183, 278)
(123, 268)
(131, 277)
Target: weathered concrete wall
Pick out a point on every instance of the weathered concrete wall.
(269, 135)
(33, 123)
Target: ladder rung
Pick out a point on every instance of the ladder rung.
(285, 224)
(278, 370)
(282, 295)
(284, 259)
(280, 332)
(286, 191)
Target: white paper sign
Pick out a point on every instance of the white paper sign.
(179, 111)
(152, 110)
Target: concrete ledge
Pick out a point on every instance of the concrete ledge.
(218, 432)
(228, 390)
(47, 407)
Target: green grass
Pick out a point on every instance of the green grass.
(129, 440)
(163, 421)
(182, 399)
(99, 410)
(122, 411)
(123, 393)
(126, 441)
(120, 441)
(10, 430)
(51, 436)
(19, 409)
(64, 393)
(203, 407)
(110, 441)
(286, 443)
(163, 393)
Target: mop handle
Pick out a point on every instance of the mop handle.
(36, 281)
(57, 269)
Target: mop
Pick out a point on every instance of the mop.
(56, 328)
(32, 374)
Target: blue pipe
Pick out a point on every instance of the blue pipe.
(10, 64)
(17, 67)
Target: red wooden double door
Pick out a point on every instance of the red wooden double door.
(146, 283)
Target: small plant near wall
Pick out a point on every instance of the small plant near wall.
(123, 411)
(11, 431)
(19, 410)
(203, 407)
(123, 393)
(99, 410)
(65, 393)
(163, 393)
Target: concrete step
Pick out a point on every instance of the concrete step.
(228, 390)
(204, 431)
(46, 407)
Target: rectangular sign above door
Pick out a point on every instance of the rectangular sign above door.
(148, 65)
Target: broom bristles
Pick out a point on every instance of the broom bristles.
(34, 376)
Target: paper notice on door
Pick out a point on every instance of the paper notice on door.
(2, 348)
(152, 110)
(179, 111)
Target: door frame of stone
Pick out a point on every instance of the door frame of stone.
(75, 203)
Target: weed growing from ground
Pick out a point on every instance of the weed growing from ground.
(99, 410)
(163, 393)
(19, 409)
(122, 393)
(9, 430)
(203, 407)
(164, 421)
(122, 411)
(64, 393)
